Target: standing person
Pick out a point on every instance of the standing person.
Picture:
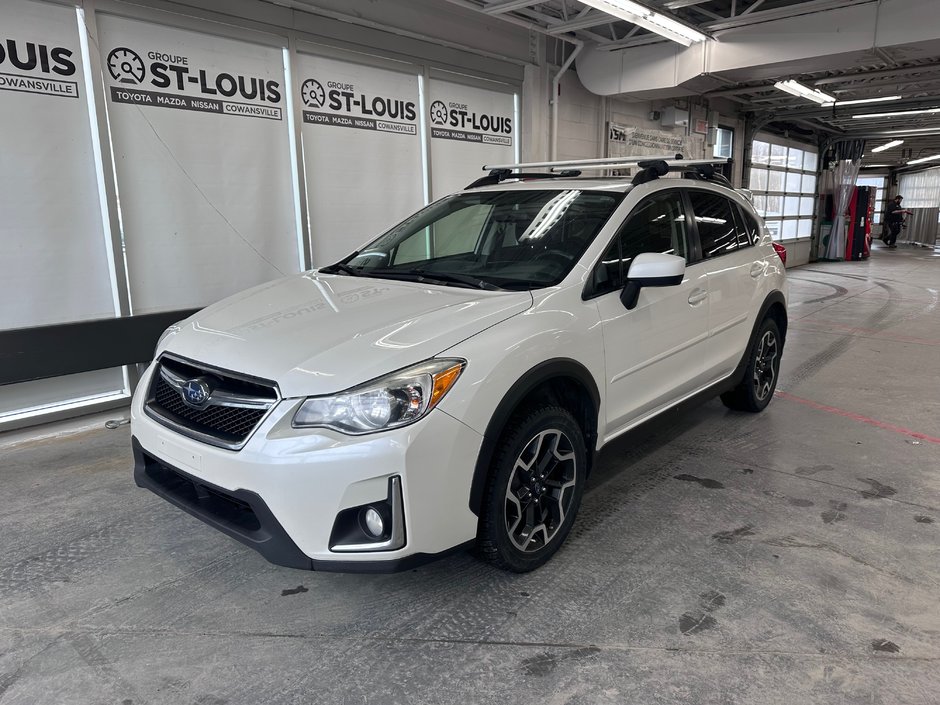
(894, 215)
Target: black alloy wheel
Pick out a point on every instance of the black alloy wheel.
(534, 491)
(763, 370)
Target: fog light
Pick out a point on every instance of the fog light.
(373, 522)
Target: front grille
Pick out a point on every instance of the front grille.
(235, 408)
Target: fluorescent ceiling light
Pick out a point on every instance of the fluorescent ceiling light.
(913, 131)
(649, 19)
(897, 114)
(875, 166)
(893, 143)
(863, 100)
(800, 91)
(924, 159)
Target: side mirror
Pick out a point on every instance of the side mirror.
(651, 269)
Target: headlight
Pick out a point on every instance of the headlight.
(396, 400)
(175, 328)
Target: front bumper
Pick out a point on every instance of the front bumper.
(281, 493)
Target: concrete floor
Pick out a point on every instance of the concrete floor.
(788, 557)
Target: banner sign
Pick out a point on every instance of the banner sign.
(362, 145)
(203, 160)
(54, 265)
(350, 107)
(635, 141)
(187, 86)
(469, 127)
(35, 67)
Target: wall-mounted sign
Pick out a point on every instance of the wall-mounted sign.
(362, 151)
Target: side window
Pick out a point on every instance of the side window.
(657, 224)
(749, 230)
(714, 217)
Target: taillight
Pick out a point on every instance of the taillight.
(781, 251)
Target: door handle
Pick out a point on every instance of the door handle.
(697, 296)
(758, 268)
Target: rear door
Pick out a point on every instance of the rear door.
(734, 268)
(653, 352)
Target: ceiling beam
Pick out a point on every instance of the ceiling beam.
(593, 20)
(884, 73)
(781, 13)
(498, 8)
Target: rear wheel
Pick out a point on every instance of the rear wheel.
(763, 368)
(534, 490)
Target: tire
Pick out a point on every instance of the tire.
(527, 515)
(763, 369)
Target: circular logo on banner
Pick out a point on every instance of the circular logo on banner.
(438, 113)
(125, 66)
(312, 93)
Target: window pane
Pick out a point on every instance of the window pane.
(809, 161)
(805, 227)
(775, 180)
(760, 204)
(793, 182)
(806, 205)
(758, 179)
(809, 183)
(791, 205)
(716, 225)
(748, 229)
(760, 154)
(773, 227)
(774, 205)
(795, 158)
(656, 225)
(789, 230)
(778, 155)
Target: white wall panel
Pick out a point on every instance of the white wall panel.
(53, 252)
(469, 127)
(203, 158)
(362, 151)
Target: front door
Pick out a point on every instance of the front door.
(654, 351)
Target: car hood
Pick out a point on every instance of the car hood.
(318, 333)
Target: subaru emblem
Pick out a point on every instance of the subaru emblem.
(196, 392)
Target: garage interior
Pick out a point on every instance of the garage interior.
(718, 557)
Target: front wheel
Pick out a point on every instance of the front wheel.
(763, 368)
(534, 489)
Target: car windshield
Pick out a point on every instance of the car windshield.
(518, 239)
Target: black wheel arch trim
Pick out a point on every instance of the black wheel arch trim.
(774, 297)
(526, 384)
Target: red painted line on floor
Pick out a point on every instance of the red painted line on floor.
(858, 417)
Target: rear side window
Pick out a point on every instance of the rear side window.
(717, 229)
(749, 232)
(657, 224)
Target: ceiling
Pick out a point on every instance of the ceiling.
(911, 71)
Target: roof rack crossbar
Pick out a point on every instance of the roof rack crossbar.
(646, 162)
(575, 163)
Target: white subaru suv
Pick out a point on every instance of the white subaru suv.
(449, 384)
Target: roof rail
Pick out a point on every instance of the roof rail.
(497, 175)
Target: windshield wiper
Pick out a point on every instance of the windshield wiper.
(420, 275)
(340, 267)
